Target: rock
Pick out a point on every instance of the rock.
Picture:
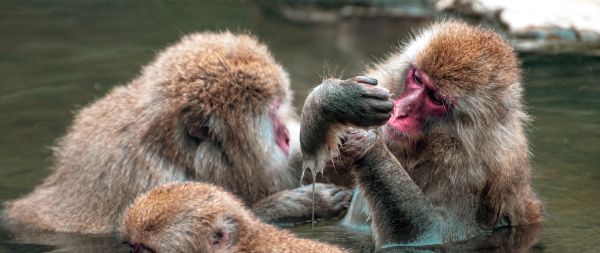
(573, 21)
(328, 11)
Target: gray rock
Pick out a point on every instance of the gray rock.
(547, 21)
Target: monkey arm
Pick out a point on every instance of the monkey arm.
(295, 205)
(401, 214)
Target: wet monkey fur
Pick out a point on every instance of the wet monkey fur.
(213, 107)
(197, 217)
(452, 161)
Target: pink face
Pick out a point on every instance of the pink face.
(419, 100)
(282, 136)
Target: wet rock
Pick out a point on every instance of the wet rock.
(530, 25)
(333, 10)
(538, 22)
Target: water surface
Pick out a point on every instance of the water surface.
(58, 56)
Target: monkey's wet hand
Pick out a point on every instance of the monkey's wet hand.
(358, 143)
(295, 205)
(356, 101)
(331, 107)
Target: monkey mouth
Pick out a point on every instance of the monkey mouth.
(395, 134)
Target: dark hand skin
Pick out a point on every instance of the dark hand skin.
(353, 102)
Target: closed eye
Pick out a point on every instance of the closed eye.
(417, 79)
(435, 97)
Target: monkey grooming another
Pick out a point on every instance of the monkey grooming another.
(453, 160)
(214, 107)
(198, 217)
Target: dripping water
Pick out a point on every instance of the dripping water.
(314, 180)
(312, 221)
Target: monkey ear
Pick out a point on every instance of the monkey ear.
(195, 124)
(197, 130)
(224, 234)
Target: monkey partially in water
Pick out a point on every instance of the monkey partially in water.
(452, 161)
(214, 107)
(197, 217)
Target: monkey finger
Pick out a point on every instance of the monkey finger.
(341, 208)
(375, 119)
(380, 106)
(335, 191)
(340, 195)
(340, 202)
(365, 80)
(381, 117)
(377, 93)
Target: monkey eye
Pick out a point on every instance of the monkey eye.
(417, 79)
(435, 97)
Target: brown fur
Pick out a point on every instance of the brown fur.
(199, 111)
(485, 59)
(471, 166)
(188, 217)
(483, 144)
(476, 161)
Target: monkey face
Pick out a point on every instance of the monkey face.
(420, 98)
(450, 74)
(221, 103)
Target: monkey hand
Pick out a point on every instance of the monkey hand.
(358, 143)
(333, 105)
(356, 101)
(295, 205)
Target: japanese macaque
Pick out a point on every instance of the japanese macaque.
(214, 107)
(198, 217)
(453, 160)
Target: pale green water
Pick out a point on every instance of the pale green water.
(56, 57)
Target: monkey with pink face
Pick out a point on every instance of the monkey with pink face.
(453, 160)
(214, 107)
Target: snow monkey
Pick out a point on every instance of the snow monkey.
(198, 217)
(214, 107)
(453, 160)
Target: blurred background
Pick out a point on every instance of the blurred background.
(58, 56)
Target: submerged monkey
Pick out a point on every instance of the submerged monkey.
(197, 217)
(214, 107)
(453, 160)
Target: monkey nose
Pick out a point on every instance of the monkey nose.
(400, 112)
(401, 115)
(365, 80)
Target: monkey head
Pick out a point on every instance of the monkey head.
(450, 75)
(188, 217)
(218, 100)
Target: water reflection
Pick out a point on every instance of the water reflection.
(24, 240)
(518, 239)
(521, 239)
(56, 57)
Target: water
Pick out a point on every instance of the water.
(58, 56)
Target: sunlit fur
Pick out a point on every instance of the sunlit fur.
(191, 217)
(136, 137)
(473, 163)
